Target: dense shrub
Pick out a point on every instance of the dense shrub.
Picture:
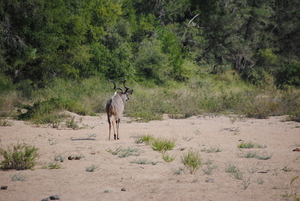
(289, 74)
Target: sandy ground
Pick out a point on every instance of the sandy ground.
(262, 179)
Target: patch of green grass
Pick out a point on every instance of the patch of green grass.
(163, 144)
(254, 154)
(195, 96)
(143, 161)
(41, 109)
(147, 139)
(248, 154)
(167, 158)
(264, 156)
(246, 182)
(125, 152)
(91, 168)
(238, 175)
(19, 157)
(192, 161)
(129, 152)
(178, 171)
(115, 152)
(140, 161)
(249, 145)
(246, 145)
(145, 116)
(208, 169)
(231, 168)
(235, 172)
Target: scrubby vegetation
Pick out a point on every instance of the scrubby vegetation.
(182, 58)
(19, 157)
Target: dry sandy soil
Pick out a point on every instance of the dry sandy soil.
(262, 179)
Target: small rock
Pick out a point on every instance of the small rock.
(123, 189)
(46, 199)
(297, 149)
(262, 172)
(3, 187)
(55, 197)
(70, 157)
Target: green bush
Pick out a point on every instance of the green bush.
(289, 74)
(19, 157)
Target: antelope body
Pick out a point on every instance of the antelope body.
(115, 107)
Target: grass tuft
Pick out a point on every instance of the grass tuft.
(143, 161)
(167, 158)
(59, 157)
(163, 144)
(91, 168)
(231, 168)
(249, 145)
(147, 139)
(192, 161)
(125, 152)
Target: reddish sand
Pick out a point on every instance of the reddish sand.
(262, 179)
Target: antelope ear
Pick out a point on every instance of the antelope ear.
(130, 91)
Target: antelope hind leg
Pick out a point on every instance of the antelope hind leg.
(117, 125)
(114, 127)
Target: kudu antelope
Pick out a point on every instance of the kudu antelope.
(115, 107)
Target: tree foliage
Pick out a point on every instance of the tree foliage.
(41, 40)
